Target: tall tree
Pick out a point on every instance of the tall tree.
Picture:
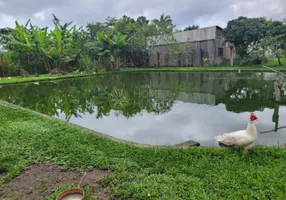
(142, 20)
(243, 32)
(274, 40)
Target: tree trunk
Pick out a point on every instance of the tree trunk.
(111, 65)
(107, 64)
(2, 66)
(116, 64)
(47, 66)
(231, 56)
(279, 61)
(45, 63)
(36, 70)
(60, 64)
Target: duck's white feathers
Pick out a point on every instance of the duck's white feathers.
(241, 138)
(237, 138)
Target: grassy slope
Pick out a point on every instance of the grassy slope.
(141, 173)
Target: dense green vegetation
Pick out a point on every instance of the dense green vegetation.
(257, 38)
(65, 48)
(28, 49)
(140, 173)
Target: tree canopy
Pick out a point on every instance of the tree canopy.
(66, 47)
(248, 34)
(193, 27)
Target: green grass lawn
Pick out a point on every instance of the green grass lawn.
(140, 172)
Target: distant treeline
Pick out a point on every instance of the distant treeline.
(28, 49)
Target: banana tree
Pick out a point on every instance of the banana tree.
(61, 41)
(111, 45)
(77, 51)
(117, 42)
(40, 47)
(19, 40)
(21, 43)
(104, 50)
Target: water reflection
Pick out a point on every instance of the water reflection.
(161, 108)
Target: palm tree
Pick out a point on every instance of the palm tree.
(166, 19)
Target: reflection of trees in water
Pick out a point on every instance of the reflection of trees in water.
(88, 95)
(278, 88)
(152, 92)
(249, 95)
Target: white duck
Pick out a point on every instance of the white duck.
(241, 138)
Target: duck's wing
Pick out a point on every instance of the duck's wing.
(231, 139)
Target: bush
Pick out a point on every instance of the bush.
(88, 65)
(251, 61)
(11, 69)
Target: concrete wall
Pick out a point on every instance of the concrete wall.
(205, 42)
(161, 56)
(202, 34)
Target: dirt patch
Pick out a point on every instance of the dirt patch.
(38, 181)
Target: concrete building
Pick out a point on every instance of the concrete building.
(205, 43)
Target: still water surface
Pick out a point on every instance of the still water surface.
(161, 107)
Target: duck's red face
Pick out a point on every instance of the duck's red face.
(253, 117)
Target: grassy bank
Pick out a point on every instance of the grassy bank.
(45, 77)
(139, 172)
(210, 68)
(41, 77)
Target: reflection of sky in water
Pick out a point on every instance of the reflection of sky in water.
(185, 121)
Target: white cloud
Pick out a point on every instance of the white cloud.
(7, 20)
(40, 15)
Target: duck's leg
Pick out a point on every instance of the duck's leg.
(246, 149)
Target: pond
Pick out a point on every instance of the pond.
(162, 108)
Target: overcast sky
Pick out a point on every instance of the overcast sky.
(183, 12)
